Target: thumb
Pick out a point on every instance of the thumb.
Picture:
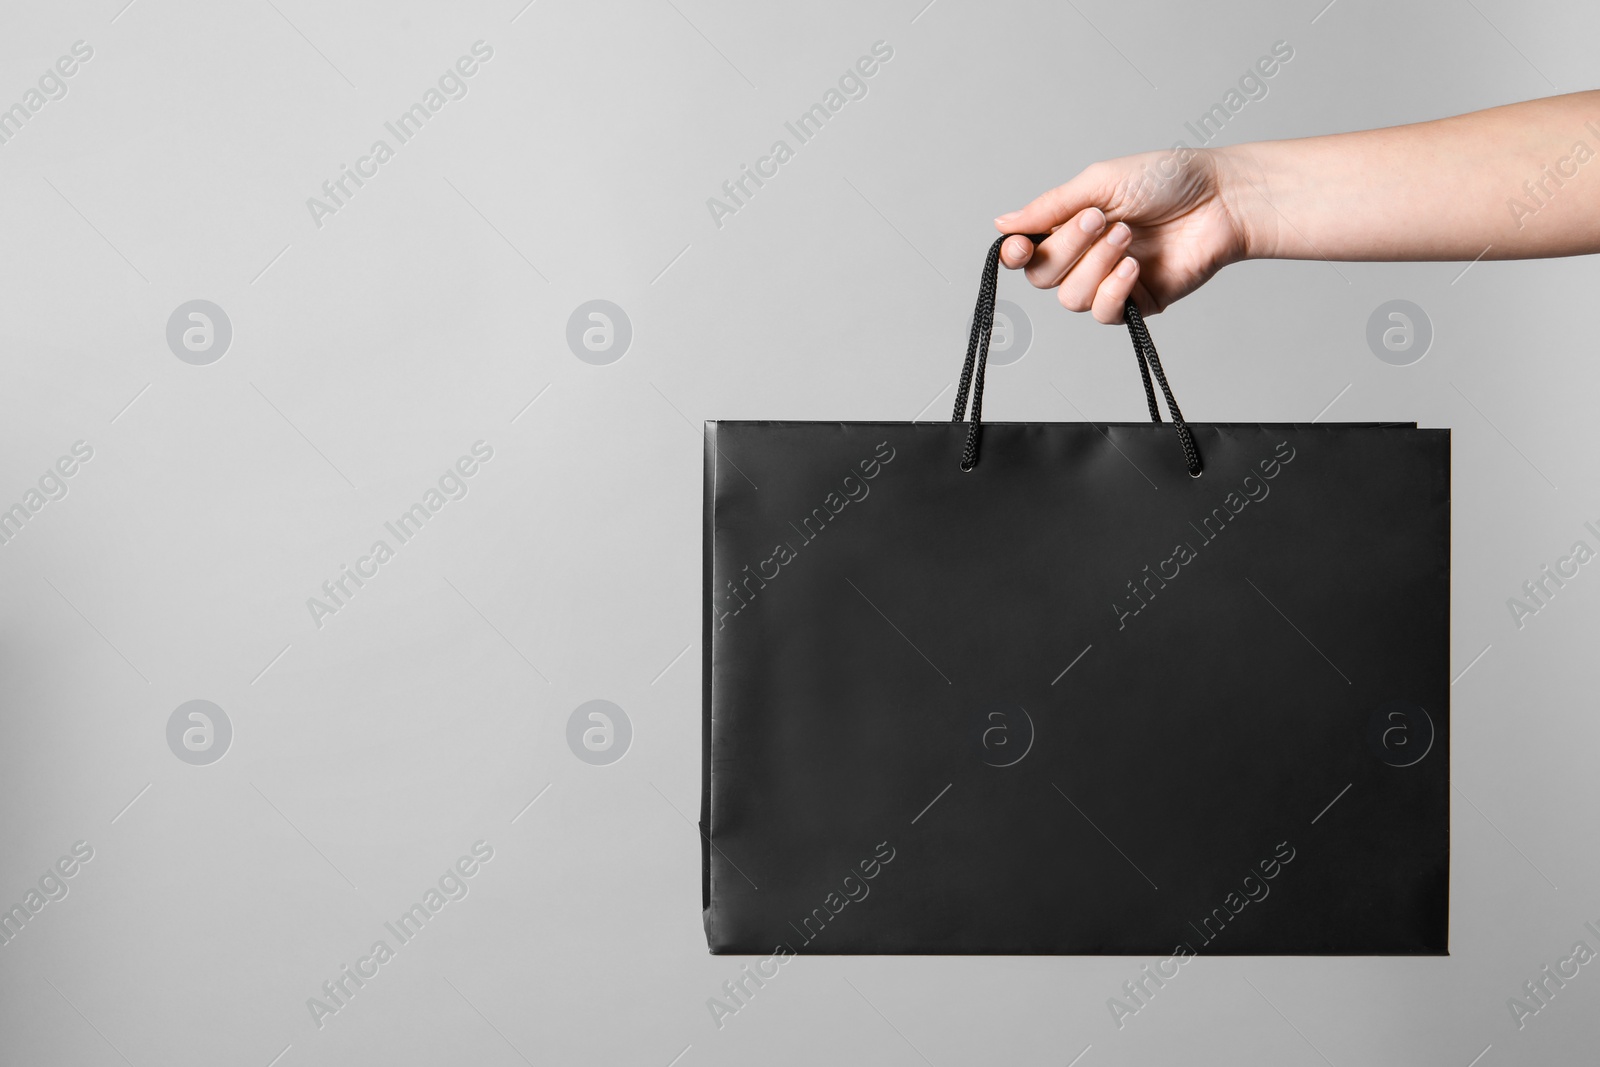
(1090, 188)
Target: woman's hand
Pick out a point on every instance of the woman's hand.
(1156, 226)
(1512, 182)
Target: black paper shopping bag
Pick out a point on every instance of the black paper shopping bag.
(1075, 688)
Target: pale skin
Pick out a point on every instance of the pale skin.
(1158, 225)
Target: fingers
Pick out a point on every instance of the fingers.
(1057, 253)
(1055, 207)
(1085, 257)
(1115, 290)
(1078, 287)
(1084, 261)
(1016, 252)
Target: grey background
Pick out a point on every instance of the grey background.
(370, 353)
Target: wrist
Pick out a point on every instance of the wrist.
(1244, 189)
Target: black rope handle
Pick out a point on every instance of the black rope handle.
(1144, 350)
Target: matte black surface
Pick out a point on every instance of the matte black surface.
(1195, 743)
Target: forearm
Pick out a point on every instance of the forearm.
(1522, 181)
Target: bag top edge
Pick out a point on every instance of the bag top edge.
(1163, 425)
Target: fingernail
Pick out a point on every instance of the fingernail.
(1092, 221)
(1119, 235)
(1007, 217)
(1126, 268)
